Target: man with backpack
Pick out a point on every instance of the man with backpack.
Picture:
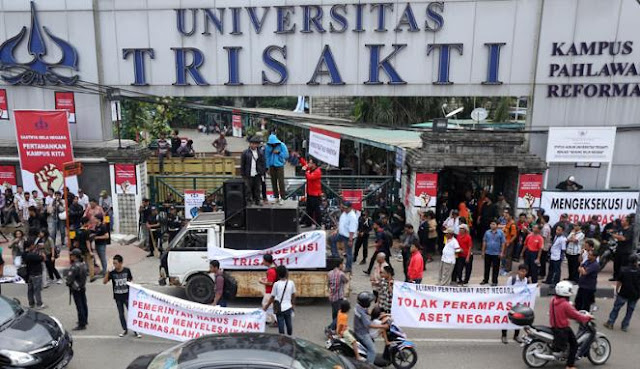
(226, 287)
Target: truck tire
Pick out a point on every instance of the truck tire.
(200, 288)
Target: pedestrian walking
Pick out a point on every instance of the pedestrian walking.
(45, 243)
(362, 241)
(252, 168)
(627, 292)
(218, 279)
(519, 279)
(33, 259)
(337, 280)
(493, 247)
(464, 260)
(268, 281)
(101, 240)
(532, 252)
(17, 247)
(283, 297)
(383, 245)
(574, 246)
(119, 277)
(587, 283)
(448, 260)
(415, 268)
(313, 173)
(347, 228)
(276, 155)
(556, 254)
(77, 281)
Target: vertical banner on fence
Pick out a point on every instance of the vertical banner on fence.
(236, 124)
(355, 197)
(4, 105)
(325, 146)
(8, 177)
(193, 200)
(160, 315)
(66, 101)
(424, 306)
(425, 189)
(44, 145)
(125, 176)
(529, 191)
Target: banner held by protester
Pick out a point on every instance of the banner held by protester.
(165, 316)
(425, 306)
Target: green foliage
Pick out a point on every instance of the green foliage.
(396, 111)
(501, 114)
(154, 116)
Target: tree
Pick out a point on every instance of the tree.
(501, 114)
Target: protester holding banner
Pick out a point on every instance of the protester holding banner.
(493, 246)
(385, 290)
(519, 279)
(448, 260)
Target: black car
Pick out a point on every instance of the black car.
(246, 351)
(30, 339)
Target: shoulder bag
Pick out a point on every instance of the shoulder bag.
(277, 305)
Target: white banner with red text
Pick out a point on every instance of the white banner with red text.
(581, 206)
(307, 250)
(160, 315)
(425, 306)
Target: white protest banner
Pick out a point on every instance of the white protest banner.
(325, 146)
(193, 200)
(304, 251)
(423, 306)
(165, 316)
(581, 206)
(580, 144)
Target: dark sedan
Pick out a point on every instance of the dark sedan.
(30, 339)
(246, 351)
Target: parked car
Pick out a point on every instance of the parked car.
(247, 351)
(31, 339)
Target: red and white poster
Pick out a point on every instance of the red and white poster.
(236, 125)
(44, 145)
(66, 101)
(529, 191)
(126, 179)
(353, 196)
(156, 314)
(325, 146)
(4, 105)
(425, 306)
(193, 200)
(425, 189)
(8, 177)
(307, 250)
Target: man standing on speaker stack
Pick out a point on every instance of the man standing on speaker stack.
(252, 168)
(276, 155)
(314, 190)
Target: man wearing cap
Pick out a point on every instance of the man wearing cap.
(77, 281)
(448, 260)
(493, 247)
(347, 228)
(314, 189)
(252, 168)
(569, 185)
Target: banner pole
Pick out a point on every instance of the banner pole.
(608, 179)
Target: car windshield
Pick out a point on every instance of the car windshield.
(9, 309)
(310, 355)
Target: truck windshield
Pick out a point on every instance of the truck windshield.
(178, 237)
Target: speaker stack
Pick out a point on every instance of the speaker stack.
(234, 204)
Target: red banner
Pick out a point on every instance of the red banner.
(66, 101)
(44, 145)
(4, 105)
(425, 189)
(529, 191)
(8, 177)
(355, 197)
(126, 179)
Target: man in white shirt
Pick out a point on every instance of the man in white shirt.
(347, 228)
(18, 200)
(448, 260)
(83, 199)
(574, 247)
(556, 251)
(453, 221)
(24, 205)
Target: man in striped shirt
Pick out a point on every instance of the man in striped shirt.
(337, 279)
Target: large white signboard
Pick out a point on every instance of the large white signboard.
(325, 145)
(581, 144)
(581, 206)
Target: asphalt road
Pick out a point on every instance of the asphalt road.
(100, 347)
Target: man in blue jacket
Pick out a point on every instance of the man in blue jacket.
(276, 156)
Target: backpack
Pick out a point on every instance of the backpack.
(230, 289)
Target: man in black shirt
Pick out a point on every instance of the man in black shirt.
(174, 223)
(77, 282)
(83, 242)
(144, 212)
(76, 211)
(119, 277)
(101, 239)
(628, 292)
(33, 259)
(625, 246)
(362, 241)
(155, 233)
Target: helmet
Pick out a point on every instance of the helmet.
(365, 299)
(564, 288)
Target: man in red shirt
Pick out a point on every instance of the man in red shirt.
(268, 281)
(314, 189)
(464, 260)
(560, 311)
(416, 264)
(532, 250)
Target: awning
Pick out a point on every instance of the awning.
(383, 138)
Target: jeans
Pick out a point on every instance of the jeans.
(34, 290)
(530, 261)
(102, 254)
(51, 268)
(284, 318)
(80, 299)
(122, 303)
(617, 305)
(277, 182)
(553, 277)
(335, 307)
(491, 262)
(573, 263)
(362, 241)
(367, 342)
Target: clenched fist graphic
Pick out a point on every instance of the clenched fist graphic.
(49, 177)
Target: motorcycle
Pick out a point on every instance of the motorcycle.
(400, 352)
(609, 253)
(538, 345)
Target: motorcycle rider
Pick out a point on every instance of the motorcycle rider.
(362, 323)
(560, 311)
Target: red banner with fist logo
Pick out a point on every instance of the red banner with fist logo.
(44, 145)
